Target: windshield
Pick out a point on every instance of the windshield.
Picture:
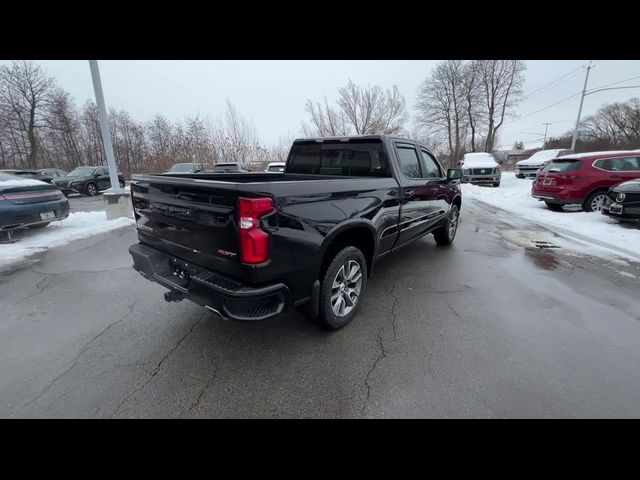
(182, 167)
(544, 155)
(229, 167)
(81, 172)
(561, 166)
(276, 168)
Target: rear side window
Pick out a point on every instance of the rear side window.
(355, 160)
(430, 165)
(624, 164)
(562, 166)
(409, 163)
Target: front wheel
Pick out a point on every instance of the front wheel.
(496, 184)
(92, 190)
(446, 233)
(342, 287)
(594, 202)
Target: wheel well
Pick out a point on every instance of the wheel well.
(599, 189)
(360, 237)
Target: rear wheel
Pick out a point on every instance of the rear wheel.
(594, 202)
(446, 233)
(342, 286)
(91, 189)
(556, 207)
(121, 183)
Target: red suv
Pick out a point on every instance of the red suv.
(584, 178)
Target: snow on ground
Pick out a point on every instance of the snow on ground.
(78, 225)
(607, 235)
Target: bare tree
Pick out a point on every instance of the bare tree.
(24, 93)
(441, 106)
(360, 110)
(472, 95)
(325, 121)
(501, 84)
(371, 110)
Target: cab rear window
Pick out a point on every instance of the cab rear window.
(349, 159)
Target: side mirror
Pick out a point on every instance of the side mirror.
(454, 174)
(96, 175)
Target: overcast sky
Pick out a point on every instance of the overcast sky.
(272, 93)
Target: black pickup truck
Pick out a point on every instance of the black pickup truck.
(248, 246)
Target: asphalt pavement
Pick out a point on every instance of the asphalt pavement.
(499, 325)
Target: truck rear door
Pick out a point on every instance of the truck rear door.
(195, 220)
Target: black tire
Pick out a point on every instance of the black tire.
(327, 317)
(445, 235)
(121, 183)
(588, 205)
(496, 184)
(556, 207)
(91, 189)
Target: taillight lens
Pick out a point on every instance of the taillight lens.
(254, 242)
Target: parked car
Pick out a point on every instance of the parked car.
(530, 167)
(584, 178)
(275, 167)
(229, 168)
(86, 181)
(44, 175)
(480, 168)
(623, 202)
(29, 203)
(186, 168)
(249, 246)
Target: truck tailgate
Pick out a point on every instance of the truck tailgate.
(192, 219)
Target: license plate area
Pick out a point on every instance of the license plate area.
(47, 215)
(615, 208)
(547, 181)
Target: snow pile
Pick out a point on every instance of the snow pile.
(514, 195)
(78, 225)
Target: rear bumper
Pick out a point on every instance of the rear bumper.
(218, 293)
(15, 217)
(561, 200)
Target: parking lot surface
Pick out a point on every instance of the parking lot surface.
(495, 326)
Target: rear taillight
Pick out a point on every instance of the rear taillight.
(254, 242)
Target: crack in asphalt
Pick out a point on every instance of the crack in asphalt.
(393, 310)
(452, 309)
(76, 359)
(381, 355)
(48, 276)
(204, 389)
(158, 366)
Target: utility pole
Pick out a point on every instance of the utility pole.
(545, 133)
(104, 126)
(584, 91)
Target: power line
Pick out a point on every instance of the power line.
(545, 108)
(546, 87)
(615, 83)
